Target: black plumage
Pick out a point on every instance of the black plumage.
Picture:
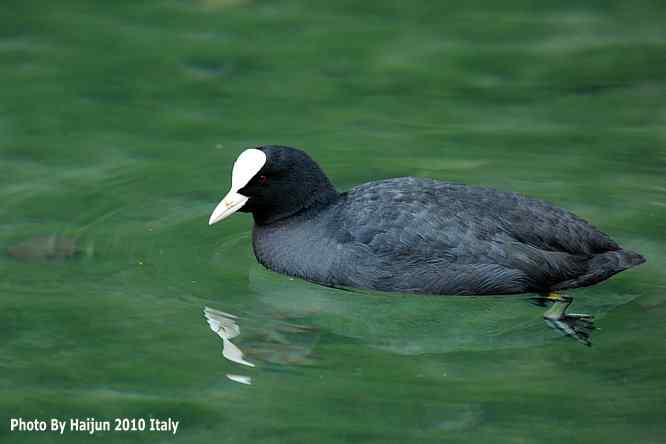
(420, 235)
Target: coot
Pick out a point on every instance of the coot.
(414, 235)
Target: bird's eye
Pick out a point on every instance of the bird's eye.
(263, 179)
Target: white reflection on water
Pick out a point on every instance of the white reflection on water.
(240, 379)
(225, 326)
(267, 338)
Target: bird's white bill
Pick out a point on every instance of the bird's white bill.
(248, 164)
(231, 203)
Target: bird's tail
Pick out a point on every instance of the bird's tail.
(602, 266)
(627, 259)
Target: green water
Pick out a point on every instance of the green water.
(119, 123)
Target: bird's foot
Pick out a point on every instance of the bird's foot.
(575, 325)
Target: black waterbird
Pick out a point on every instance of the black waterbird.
(418, 235)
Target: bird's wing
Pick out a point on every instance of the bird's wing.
(432, 216)
(475, 232)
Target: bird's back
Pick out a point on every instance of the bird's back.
(422, 235)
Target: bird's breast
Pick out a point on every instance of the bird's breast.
(299, 250)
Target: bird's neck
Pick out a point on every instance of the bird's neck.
(306, 205)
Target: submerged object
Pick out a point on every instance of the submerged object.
(43, 248)
(415, 235)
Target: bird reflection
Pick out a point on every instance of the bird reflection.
(283, 319)
(271, 340)
(225, 326)
(240, 379)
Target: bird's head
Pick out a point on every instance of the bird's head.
(273, 182)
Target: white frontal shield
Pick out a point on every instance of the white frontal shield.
(248, 164)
